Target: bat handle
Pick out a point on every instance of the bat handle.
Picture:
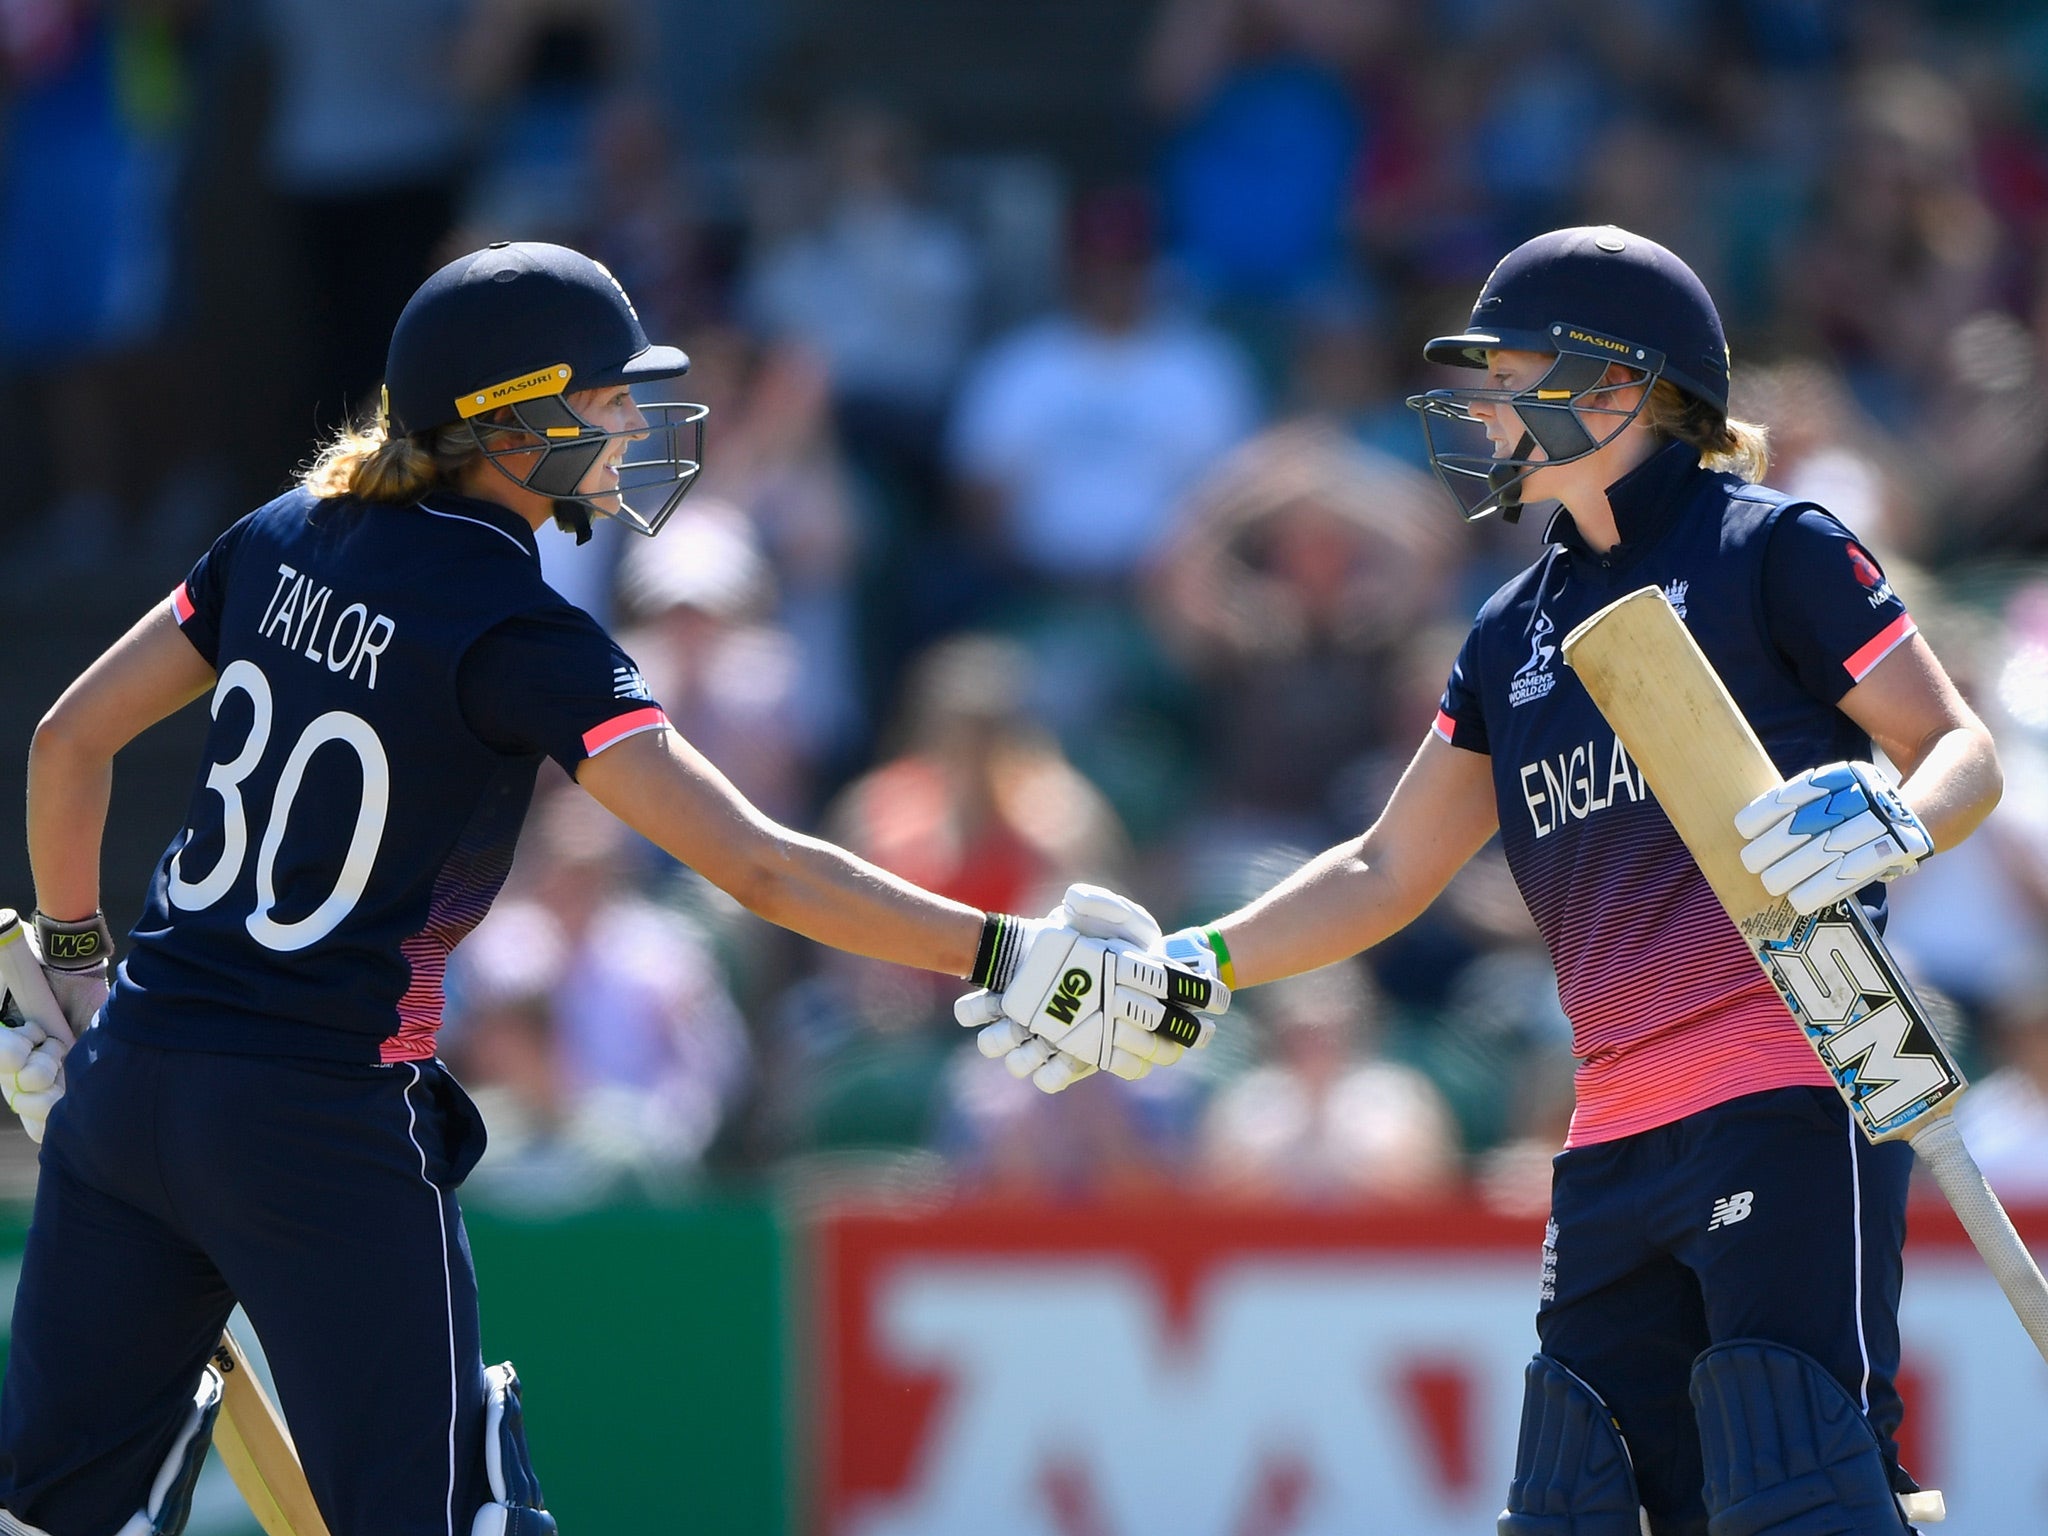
(1941, 1148)
(22, 976)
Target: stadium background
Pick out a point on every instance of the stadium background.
(1061, 519)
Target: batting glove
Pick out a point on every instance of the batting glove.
(76, 959)
(73, 960)
(1822, 835)
(1084, 996)
(31, 1072)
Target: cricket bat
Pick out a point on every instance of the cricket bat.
(1872, 1034)
(257, 1449)
(250, 1433)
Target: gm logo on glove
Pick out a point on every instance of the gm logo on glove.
(1065, 1003)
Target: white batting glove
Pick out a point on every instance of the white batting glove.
(1824, 834)
(31, 1073)
(1087, 909)
(1083, 996)
(1201, 950)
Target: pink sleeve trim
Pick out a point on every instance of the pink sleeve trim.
(182, 607)
(1887, 640)
(1446, 727)
(617, 729)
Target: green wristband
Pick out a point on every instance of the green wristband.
(1225, 971)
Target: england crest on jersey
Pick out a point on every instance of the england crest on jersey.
(1534, 679)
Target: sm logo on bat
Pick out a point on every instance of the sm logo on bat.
(1066, 1002)
(1872, 1033)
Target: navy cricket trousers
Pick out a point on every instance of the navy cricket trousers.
(1766, 1217)
(320, 1196)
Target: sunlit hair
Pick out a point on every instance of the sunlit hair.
(364, 461)
(1729, 446)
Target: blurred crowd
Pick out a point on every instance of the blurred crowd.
(1063, 519)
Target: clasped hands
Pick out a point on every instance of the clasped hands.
(1092, 986)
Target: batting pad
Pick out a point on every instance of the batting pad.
(1573, 1476)
(1787, 1451)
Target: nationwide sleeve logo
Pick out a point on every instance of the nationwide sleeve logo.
(1871, 578)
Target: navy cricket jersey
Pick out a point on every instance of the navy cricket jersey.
(1670, 1012)
(389, 681)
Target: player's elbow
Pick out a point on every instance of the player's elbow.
(68, 737)
(761, 874)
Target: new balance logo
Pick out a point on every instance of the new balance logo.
(1731, 1209)
(627, 683)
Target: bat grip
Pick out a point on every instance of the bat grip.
(21, 975)
(1941, 1148)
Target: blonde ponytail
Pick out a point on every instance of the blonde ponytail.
(366, 462)
(1732, 447)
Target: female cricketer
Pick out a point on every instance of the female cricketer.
(1720, 1232)
(257, 1115)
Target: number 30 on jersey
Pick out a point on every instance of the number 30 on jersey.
(226, 779)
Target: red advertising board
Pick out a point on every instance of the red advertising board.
(1206, 1371)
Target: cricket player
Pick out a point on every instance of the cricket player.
(256, 1113)
(1718, 1313)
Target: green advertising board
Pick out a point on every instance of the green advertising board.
(651, 1345)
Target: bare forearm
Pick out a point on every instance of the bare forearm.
(1358, 893)
(69, 788)
(1332, 907)
(148, 673)
(663, 788)
(823, 892)
(1955, 784)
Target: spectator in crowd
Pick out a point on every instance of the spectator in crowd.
(1294, 577)
(2004, 1117)
(365, 148)
(601, 1017)
(1342, 374)
(1978, 932)
(1075, 437)
(1982, 443)
(778, 457)
(727, 674)
(1325, 1118)
(977, 804)
(1003, 1138)
(878, 284)
(642, 218)
(1904, 249)
(1824, 448)
(537, 76)
(1264, 150)
(93, 127)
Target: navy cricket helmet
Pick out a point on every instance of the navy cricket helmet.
(1595, 296)
(497, 339)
